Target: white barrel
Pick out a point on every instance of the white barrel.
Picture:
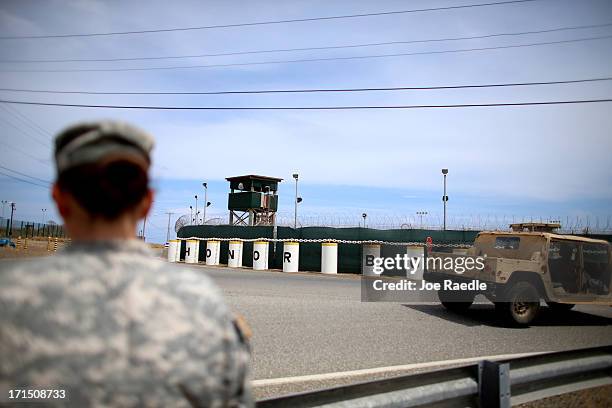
(416, 251)
(212, 252)
(173, 252)
(234, 254)
(291, 256)
(191, 251)
(370, 252)
(260, 255)
(329, 257)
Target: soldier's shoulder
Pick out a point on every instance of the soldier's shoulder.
(190, 285)
(24, 269)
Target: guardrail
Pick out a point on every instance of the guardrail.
(488, 384)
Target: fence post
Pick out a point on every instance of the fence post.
(494, 384)
(55, 245)
(18, 243)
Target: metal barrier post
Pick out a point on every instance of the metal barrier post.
(48, 244)
(18, 243)
(494, 384)
(55, 245)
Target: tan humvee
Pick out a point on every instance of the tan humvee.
(528, 264)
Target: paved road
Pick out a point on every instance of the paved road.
(311, 324)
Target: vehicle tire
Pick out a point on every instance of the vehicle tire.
(560, 307)
(521, 307)
(455, 301)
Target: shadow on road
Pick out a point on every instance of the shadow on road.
(479, 315)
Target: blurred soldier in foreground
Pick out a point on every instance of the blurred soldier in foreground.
(105, 321)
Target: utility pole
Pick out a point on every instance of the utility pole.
(11, 223)
(44, 213)
(4, 202)
(170, 214)
(444, 197)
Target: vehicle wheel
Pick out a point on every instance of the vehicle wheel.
(456, 301)
(560, 307)
(521, 307)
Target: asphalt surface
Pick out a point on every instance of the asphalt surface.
(307, 324)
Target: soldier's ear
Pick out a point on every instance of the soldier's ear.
(61, 201)
(145, 205)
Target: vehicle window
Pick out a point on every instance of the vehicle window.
(507, 242)
(564, 265)
(596, 268)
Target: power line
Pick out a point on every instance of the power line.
(25, 175)
(258, 23)
(377, 44)
(357, 57)
(24, 132)
(29, 122)
(317, 90)
(466, 105)
(23, 180)
(38, 159)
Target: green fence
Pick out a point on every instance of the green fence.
(27, 229)
(349, 255)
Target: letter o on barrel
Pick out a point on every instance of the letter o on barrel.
(260, 255)
(212, 252)
(291, 256)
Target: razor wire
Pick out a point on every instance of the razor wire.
(331, 240)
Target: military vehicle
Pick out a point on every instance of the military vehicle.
(526, 265)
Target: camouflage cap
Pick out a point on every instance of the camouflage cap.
(90, 142)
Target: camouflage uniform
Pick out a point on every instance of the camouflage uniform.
(113, 326)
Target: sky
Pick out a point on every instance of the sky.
(505, 163)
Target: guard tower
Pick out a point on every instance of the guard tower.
(253, 200)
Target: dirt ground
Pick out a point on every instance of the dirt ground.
(35, 247)
(32, 247)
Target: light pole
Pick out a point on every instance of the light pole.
(421, 214)
(364, 215)
(295, 176)
(196, 209)
(205, 185)
(44, 210)
(190, 215)
(4, 202)
(444, 197)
